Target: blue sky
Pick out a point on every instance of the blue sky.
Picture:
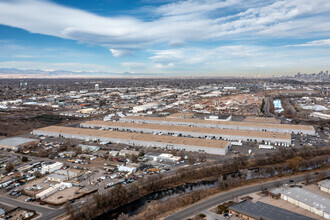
(167, 38)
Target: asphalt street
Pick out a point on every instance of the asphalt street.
(226, 196)
(44, 211)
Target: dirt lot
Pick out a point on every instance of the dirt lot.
(239, 104)
(15, 122)
(39, 182)
(65, 195)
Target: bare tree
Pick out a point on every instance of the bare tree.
(321, 176)
(278, 184)
(9, 167)
(307, 177)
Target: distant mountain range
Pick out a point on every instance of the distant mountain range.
(37, 73)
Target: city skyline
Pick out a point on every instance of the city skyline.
(166, 38)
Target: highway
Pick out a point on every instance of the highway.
(226, 196)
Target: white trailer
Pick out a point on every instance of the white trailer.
(239, 143)
(262, 146)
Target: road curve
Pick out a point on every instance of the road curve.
(225, 196)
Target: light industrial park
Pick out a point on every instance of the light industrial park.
(164, 110)
(114, 148)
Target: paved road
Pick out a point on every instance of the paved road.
(223, 197)
(44, 211)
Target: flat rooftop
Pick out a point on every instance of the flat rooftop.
(16, 141)
(307, 197)
(137, 136)
(229, 123)
(260, 210)
(217, 131)
(262, 120)
(325, 183)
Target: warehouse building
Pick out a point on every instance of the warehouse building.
(305, 199)
(146, 140)
(162, 157)
(283, 139)
(259, 210)
(16, 143)
(129, 168)
(51, 168)
(61, 176)
(324, 185)
(233, 125)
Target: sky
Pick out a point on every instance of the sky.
(166, 37)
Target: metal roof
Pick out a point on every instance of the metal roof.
(201, 130)
(16, 141)
(325, 183)
(136, 136)
(229, 123)
(308, 198)
(260, 210)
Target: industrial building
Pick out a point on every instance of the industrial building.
(145, 107)
(259, 210)
(61, 175)
(146, 140)
(129, 168)
(283, 139)
(51, 168)
(324, 185)
(16, 143)
(305, 199)
(233, 125)
(162, 157)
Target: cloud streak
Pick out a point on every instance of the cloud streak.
(176, 23)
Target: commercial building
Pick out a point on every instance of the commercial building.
(320, 115)
(16, 143)
(61, 176)
(283, 139)
(124, 152)
(233, 125)
(259, 210)
(305, 199)
(145, 107)
(129, 168)
(324, 185)
(89, 148)
(51, 168)
(146, 140)
(162, 157)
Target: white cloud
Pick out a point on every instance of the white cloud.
(176, 23)
(134, 65)
(55, 66)
(315, 43)
(120, 53)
